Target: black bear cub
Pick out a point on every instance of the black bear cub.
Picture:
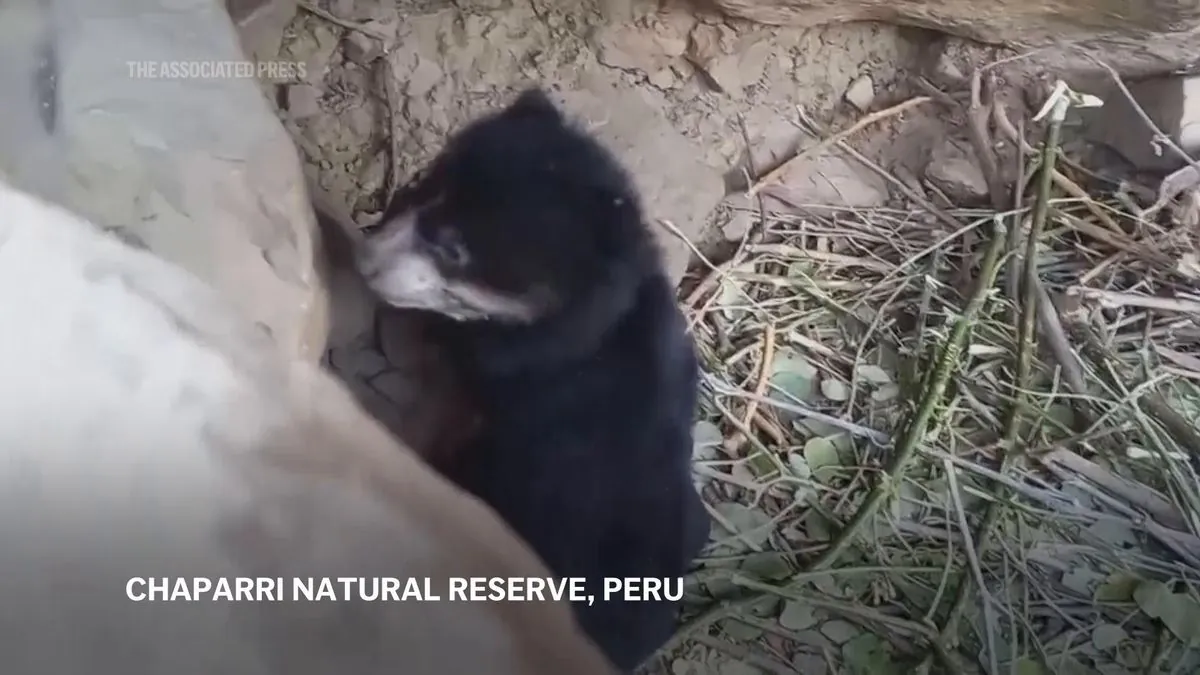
(527, 237)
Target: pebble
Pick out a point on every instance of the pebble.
(861, 93)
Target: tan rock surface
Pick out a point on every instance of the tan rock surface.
(1027, 21)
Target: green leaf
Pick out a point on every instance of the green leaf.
(799, 465)
(817, 526)
(792, 373)
(740, 631)
(768, 565)
(797, 616)
(1028, 666)
(866, 654)
(1067, 665)
(823, 459)
(1118, 587)
(840, 632)
(1108, 636)
(1178, 612)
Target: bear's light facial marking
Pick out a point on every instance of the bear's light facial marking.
(403, 268)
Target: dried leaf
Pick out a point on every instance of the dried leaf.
(907, 503)
(797, 615)
(738, 668)
(1115, 534)
(817, 527)
(1108, 636)
(885, 393)
(753, 525)
(768, 565)
(1081, 580)
(800, 269)
(1185, 361)
(813, 427)
(730, 298)
(840, 632)
(737, 630)
(834, 389)
(872, 374)
(1178, 611)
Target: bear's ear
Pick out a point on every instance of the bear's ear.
(535, 102)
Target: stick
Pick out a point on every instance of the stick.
(948, 636)
(774, 174)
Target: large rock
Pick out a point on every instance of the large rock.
(147, 118)
(996, 21)
(148, 432)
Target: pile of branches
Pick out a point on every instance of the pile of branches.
(968, 432)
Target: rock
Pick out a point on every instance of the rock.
(944, 70)
(303, 100)
(361, 48)
(861, 93)
(729, 63)
(992, 21)
(647, 48)
(828, 179)
(725, 74)
(222, 196)
(742, 216)
(354, 10)
(955, 171)
(664, 79)
(260, 25)
(1170, 101)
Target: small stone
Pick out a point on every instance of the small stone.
(742, 217)
(664, 79)
(738, 225)
(861, 93)
(955, 171)
(726, 74)
(946, 71)
(360, 121)
(361, 49)
(303, 100)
